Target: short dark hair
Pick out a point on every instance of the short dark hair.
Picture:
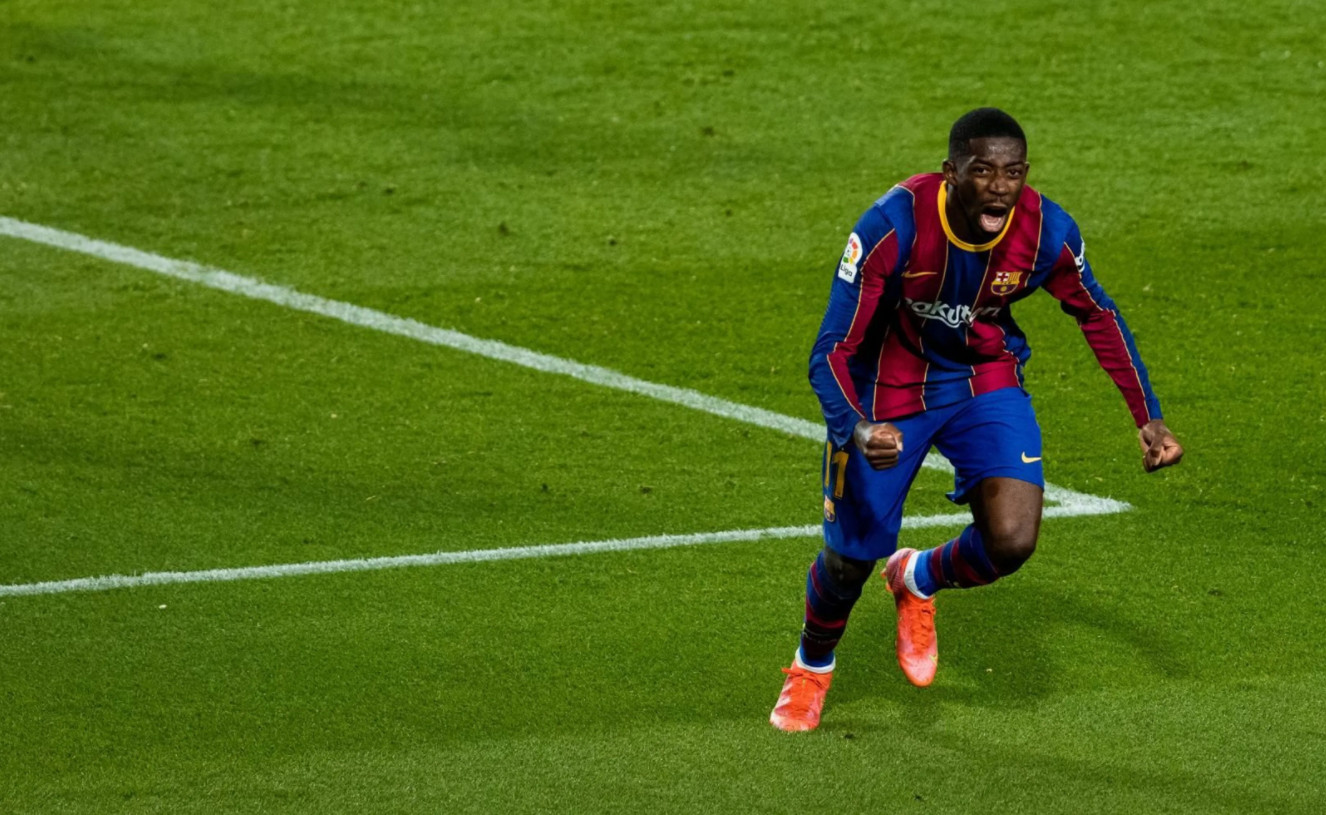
(982, 123)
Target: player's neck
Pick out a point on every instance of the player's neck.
(958, 222)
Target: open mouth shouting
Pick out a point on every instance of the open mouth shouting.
(993, 217)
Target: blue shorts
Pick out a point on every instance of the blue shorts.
(994, 434)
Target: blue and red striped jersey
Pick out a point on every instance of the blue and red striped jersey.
(919, 319)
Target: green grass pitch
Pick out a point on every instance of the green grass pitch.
(661, 189)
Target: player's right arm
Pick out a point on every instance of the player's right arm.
(857, 291)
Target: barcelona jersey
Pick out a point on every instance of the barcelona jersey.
(919, 319)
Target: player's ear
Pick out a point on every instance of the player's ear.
(950, 171)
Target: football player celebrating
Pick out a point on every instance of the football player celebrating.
(918, 348)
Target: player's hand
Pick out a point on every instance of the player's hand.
(1159, 447)
(881, 444)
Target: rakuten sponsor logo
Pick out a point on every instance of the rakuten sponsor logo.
(951, 316)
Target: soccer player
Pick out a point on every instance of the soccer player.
(918, 348)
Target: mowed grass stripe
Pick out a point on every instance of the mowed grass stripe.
(1071, 503)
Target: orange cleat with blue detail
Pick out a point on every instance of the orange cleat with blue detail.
(802, 699)
(918, 649)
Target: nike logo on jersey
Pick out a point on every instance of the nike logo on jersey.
(1026, 459)
(910, 275)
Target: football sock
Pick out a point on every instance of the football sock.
(827, 606)
(960, 563)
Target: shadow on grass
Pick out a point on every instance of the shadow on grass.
(1015, 645)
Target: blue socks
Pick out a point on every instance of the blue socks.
(960, 563)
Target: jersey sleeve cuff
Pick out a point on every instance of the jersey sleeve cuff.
(1152, 413)
(840, 433)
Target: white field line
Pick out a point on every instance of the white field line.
(117, 581)
(1062, 502)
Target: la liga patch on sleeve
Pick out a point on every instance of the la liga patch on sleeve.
(847, 267)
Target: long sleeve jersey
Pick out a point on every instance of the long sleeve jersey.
(919, 319)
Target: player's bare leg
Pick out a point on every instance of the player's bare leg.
(1007, 518)
(1007, 511)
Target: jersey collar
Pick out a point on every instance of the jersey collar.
(961, 244)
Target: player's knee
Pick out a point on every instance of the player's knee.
(1009, 545)
(846, 571)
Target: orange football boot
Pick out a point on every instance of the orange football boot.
(801, 701)
(918, 650)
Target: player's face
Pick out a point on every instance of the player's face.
(985, 184)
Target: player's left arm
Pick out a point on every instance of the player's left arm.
(1073, 284)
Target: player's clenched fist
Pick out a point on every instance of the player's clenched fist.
(881, 444)
(1159, 447)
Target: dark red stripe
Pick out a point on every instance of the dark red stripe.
(992, 376)
(814, 619)
(967, 574)
(881, 260)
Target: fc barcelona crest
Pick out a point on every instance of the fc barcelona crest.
(1006, 282)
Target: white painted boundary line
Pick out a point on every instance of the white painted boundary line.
(1069, 503)
(117, 581)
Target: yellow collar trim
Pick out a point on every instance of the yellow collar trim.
(961, 244)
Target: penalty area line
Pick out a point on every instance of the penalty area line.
(116, 581)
